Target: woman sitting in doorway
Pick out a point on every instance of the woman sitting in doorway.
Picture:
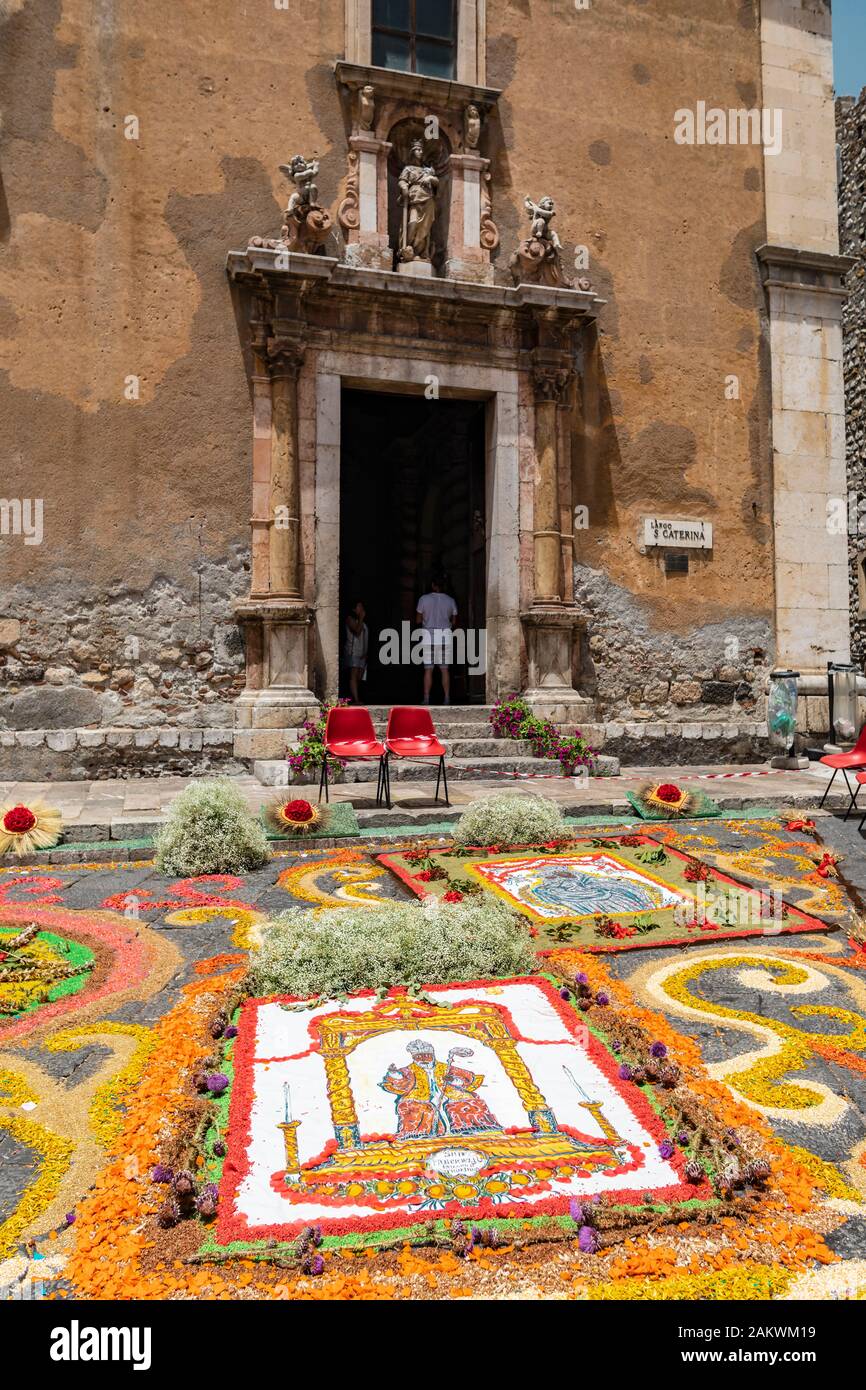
(355, 648)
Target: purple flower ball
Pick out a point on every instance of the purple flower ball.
(162, 1173)
(666, 1149)
(217, 1082)
(625, 1072)
(219, 1149)
(602, 998)
(231, 1031)
(587, 1240)
(565, 993)
(658, 1049)
(576, 1212)
(581, 978)
(682, 1139)
(70, 1218)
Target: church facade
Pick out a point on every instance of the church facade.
(305, 307)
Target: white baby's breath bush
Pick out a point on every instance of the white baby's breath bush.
(350, 948)
(510, 820)
(210, 830)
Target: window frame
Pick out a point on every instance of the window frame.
(412, 35)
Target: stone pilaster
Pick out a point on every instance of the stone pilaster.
(803, 278)
(275, 619)
(804, 296)
(285, 356)
(551, 385)
(363, 213)
(471, 231)
(551, 625)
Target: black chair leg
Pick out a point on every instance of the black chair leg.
(387, 782)
(827, 788)
(444, 781)
(853, 795)
(325, 769)
(321, 780)
(379, 785)
(438, 778)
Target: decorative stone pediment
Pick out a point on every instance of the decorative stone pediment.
(438, 222)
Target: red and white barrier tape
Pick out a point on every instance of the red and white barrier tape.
(570, 776)
(754, 772)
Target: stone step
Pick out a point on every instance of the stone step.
(448, 731)
(474, 747)
(441, 714)
(469, 710)
(477, 745)
(273, 772)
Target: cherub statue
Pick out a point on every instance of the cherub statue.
(537, 259)
(306, 225)
(302, 172)
(541, 215)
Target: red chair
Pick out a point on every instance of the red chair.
(349, 733)
(410, 734)
(842, 762)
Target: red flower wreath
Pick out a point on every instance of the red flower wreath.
(668, 792)
(19, 820)
(297, 817)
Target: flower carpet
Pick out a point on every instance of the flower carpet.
(625, 1124)
(606, 894)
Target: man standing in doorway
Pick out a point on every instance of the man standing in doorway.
(437, 614)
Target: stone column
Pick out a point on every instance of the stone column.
(260, 521)
(550, 625)
(275, 619)
(550, 387)
(285, 357)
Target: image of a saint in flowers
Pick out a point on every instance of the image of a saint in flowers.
(436, 1098)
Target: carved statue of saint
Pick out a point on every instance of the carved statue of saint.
(417, 187)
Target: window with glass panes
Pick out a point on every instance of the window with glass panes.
(416, 36)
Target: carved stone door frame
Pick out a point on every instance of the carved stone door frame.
(500, 388)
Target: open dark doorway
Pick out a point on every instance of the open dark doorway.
(412, 492)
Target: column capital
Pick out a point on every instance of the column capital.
(285, 356)
(551, 383)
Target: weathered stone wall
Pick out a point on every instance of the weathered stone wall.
(112, 255)
(851, 135)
